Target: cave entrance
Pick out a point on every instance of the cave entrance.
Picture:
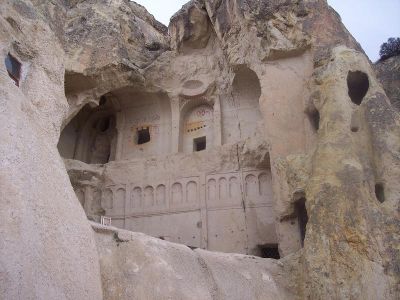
(13, 67)
(269, 251)
(302, 218)
(380, 192)
(314, 118)
(358, 85)
(91, 135)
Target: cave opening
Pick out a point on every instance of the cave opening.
(143, 135)
(13, 67)
(354, 128)
(302, 218)
(380, 192)
(358, 86)
(314, 119)
(269, 251)
(91, 135)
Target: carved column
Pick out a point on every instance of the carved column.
(203, 212)
(175, 128)
(120, 126)
(217, 122)
(120, 135)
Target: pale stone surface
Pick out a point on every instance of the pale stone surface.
(268, 112)
(136, 266)
(191, 199)
(247, 277)
(295, 127)
(388, 73)
(350, 238)
(47, 249)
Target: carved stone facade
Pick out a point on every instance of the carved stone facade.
(255, 127)
(231, 210)
(228, 212)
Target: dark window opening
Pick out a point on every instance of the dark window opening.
(358, 85)
(102, 101)
(314, 118)
(104, 124)
(154, 46)
(143, 135)
(302, 218)
(13, 67)
(380, 192)
(269, 251)
(199, 144)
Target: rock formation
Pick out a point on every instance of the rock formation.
(388, 73)
(245, 132)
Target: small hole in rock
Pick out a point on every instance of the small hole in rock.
(13, 67)
(380, 192)
(199, 144)
(143, 135)
(314, 118)
(302, 218)
(358, 85)
(269, 251)
(355, 129)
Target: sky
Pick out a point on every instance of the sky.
(371, 22)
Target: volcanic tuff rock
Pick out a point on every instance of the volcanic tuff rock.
(136, 266)
(388, 73)
(326, 131)
(47, 249)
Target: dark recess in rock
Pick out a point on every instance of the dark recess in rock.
(358, 85)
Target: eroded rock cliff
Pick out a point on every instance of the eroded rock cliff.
(293, 100)
(388, 73)
(47, 249)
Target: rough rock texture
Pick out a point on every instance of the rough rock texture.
(107, 45)
(47, 249)
(136, 266)
(315, 119)
(351, 239)
(388, 73)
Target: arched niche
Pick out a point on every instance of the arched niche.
(146, 130)
(91, 136)
(241, 114)
(197, 128)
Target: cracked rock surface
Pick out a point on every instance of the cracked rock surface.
(328, 129)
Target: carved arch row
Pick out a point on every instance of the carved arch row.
(223, 189)
(143, 198)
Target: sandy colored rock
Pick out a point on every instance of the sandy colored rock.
(47, 249)
(254, 132)
(136, 266)
(342, 194)
(388, 73)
